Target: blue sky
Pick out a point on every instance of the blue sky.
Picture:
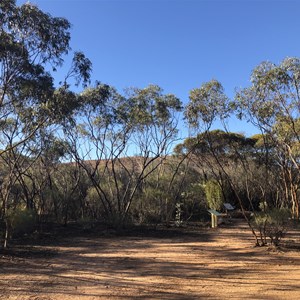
(180, 44)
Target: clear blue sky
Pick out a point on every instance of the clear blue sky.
(179, 44)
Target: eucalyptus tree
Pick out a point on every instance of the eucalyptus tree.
(119, 140)
(207, 105)
(217, 154)
(209, 149)
(32, 47)
(271, 103)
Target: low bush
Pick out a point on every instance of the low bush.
(272, 224)
(21, 221)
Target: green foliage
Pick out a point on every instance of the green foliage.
(272, 224)
(213, 193)
(218, 142)
(21, 221)
(193, 199)
(273, 96)
(152, 204)
(207, 103)
(93, 203)
(86, 223)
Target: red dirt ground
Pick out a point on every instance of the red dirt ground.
(193, 263)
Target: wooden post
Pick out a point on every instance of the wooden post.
(214, 217)
(215, 221)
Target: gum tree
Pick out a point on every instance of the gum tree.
(120, 140)
(32, 47)
(207, 105)
(271, 103)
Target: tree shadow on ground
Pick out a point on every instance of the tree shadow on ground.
(160, 265)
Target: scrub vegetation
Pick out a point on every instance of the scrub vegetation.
(84, 155)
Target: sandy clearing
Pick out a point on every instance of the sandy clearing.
(207, 264)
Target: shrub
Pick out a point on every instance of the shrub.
(21, 221)
(86, 223)
(213, 195)
(272, 224)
